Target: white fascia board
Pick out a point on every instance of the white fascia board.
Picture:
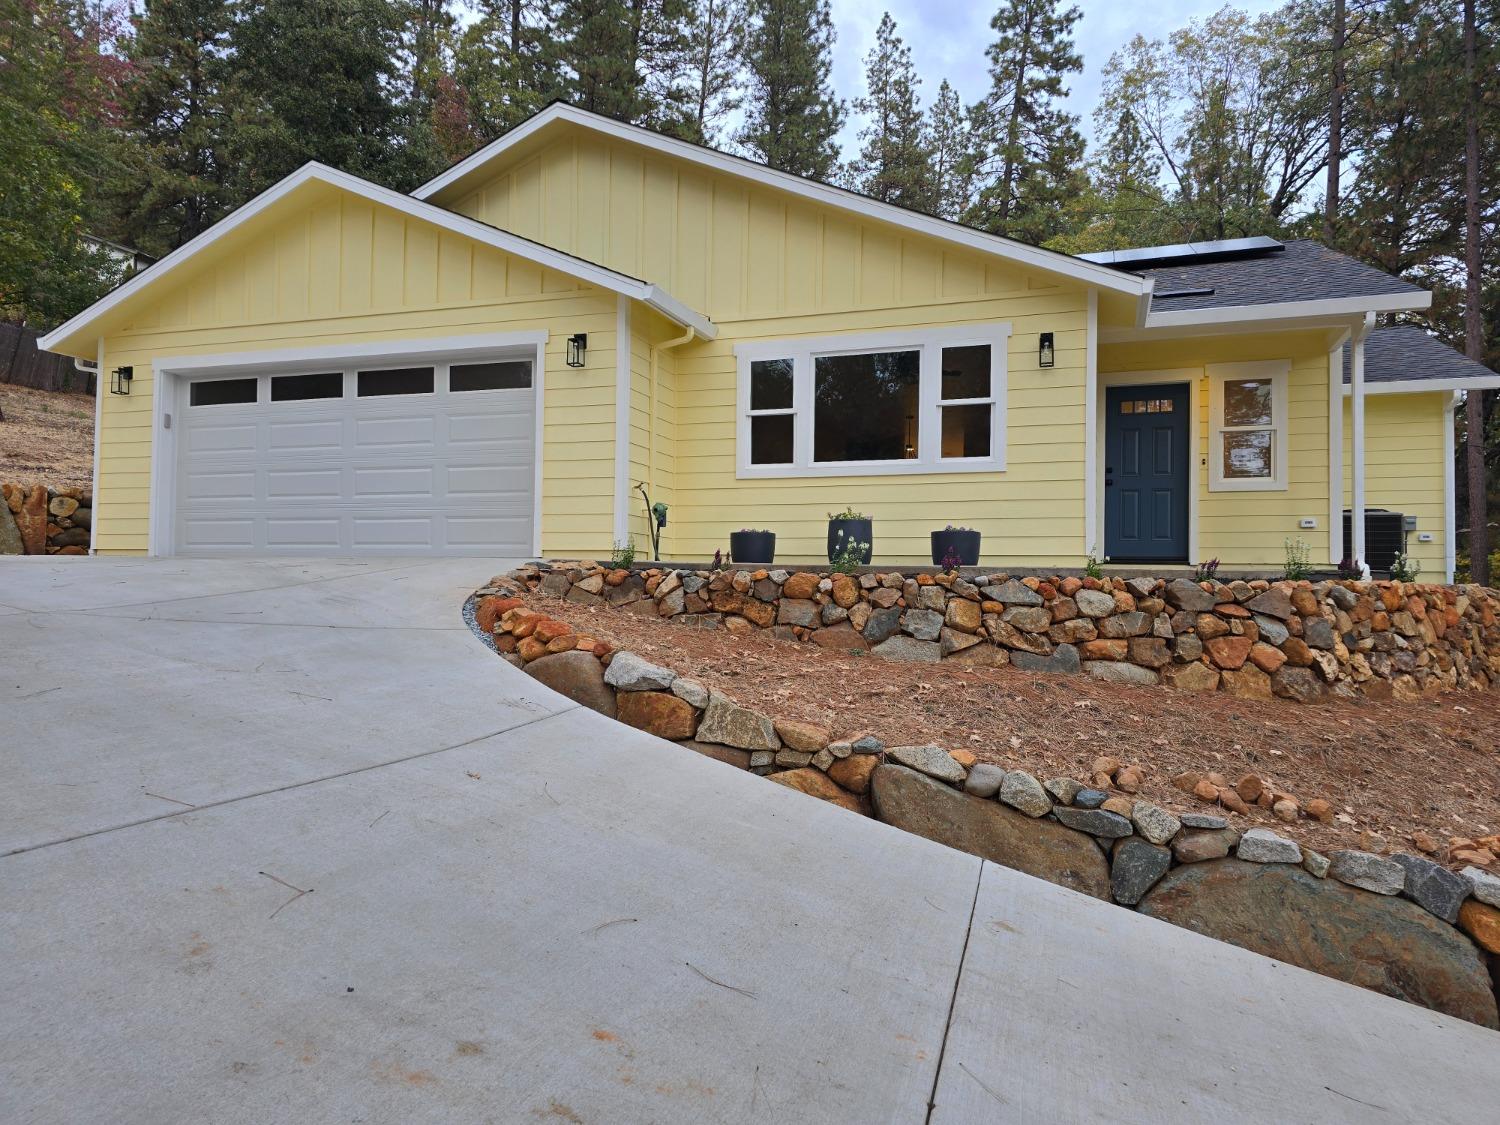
(1077, 269)
(1426, 386)
(589, 272)
(1229, 315)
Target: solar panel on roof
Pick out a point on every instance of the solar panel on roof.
(1185, 253)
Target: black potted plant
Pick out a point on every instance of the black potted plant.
(756, 547)
(954, 547)
(848, 527)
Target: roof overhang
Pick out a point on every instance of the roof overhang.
(1337, 313)
(73, 337)
(1052, 261)
(1428, 386)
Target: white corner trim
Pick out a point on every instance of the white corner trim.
(1091, 543)
(1276, 370)
(1450, 490)
(1193, 377)
(170, 372)
(99, 378)
(586, 271)
(802, 351)
(1336, 454)
(622, 423)
(1050, 260)
(1357, 439)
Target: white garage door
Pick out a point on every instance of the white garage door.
(420, 459)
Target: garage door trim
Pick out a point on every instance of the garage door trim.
(172, 372)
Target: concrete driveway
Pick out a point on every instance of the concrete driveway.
(282, 843)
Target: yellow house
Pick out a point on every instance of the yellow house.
(495, 363)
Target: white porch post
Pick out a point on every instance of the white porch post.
(1357, 436)
(1336, 451)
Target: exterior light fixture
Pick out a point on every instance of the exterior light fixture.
(119, 380)
(578, 343)
(1044, 350)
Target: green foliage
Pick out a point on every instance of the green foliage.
(894, 162)
(620, 57)
(1206, 571)
(1404, 568)
(713, 67)
(847, 514)
(505, 68)
(1298, 556)
(953, 156)
(792, 116)
(622, 557)
(849, 556)
(1091, 566)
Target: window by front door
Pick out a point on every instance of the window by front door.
(1146, 472)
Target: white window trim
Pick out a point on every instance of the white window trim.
(1276, 370)
(930, 342)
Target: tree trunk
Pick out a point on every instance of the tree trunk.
(1335, 125)
(515, 27)
(1479, 537)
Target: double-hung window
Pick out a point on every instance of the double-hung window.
(1247, 406)
(910, 402)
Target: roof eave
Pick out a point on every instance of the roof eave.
(1076, 269)
(1328, 308)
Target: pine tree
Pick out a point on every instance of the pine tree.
(714, 67)
(317, 80)
(954, 162)
(624, 58)
(1035, 152)
(792, 116)
(176, 116)
(505, 69)
(893, 163)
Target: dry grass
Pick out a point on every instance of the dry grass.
(47, 436)
(1390, 768)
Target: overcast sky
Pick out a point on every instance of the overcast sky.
(948, 39)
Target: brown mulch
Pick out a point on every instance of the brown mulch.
(1391, 768)
(47, 436)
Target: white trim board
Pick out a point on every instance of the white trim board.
(622, 423)
(170, 372)
(1193, 377)
(1427, 386)
(1450, 490)
(1288, 310)
(634, 288)
(1278, 372)
(1052, 261)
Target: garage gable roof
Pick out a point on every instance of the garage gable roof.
(1065, 265)
(586, 271)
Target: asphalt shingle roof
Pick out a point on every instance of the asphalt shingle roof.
(1407, 351)
(1304, 271)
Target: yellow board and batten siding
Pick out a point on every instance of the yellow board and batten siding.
(326, 268)
(1252, 528)
(1404, 469)
(764, 265)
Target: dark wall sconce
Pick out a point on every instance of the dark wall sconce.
(578, 344)
(1045, 354)
(119, 380)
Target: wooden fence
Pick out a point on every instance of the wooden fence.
(24, 365)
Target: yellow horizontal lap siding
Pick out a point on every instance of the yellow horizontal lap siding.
(1251, 528)
(339, 270)
(1404, 469)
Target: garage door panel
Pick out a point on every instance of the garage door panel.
(430, 474)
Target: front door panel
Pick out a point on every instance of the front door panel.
(1146, 473)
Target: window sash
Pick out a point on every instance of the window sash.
(1276, 372)
(929, 343)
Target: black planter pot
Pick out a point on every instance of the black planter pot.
(752, 547)
(861, 531)
(963, 543)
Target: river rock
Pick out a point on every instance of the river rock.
(10, 534)
(816, 784)
(1024, 793)
(988, 829)
(1363, 869)
(1195, 845)
(1387, 945)
(577, 675)
(931, 760)
(1432, 886)
(908, 650)
(1156, 824)
(1261, 845)
(657, 712)
(1096, 822)
(1486, 887)
(984, 779)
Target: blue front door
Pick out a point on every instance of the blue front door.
(1146, 473)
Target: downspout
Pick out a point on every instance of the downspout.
(656, 350)
(98, 373)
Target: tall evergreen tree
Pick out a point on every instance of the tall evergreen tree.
(176, 116)
(792, 117)
(953, 160)
(624, 58)
(894, 159)
(713, 67)
(1035, 151)
(317, 80)
(506, 68)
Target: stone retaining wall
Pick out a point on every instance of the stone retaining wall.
(1403, 925)
(37, 520)
(1255, 640)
